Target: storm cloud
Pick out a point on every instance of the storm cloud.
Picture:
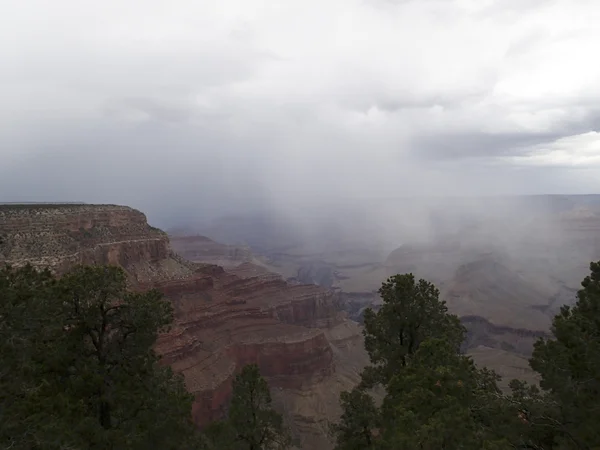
(220, 105)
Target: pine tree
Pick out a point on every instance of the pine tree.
(359, 422)
(81, 369)
(569, 365)
(411, 312)
(257, 425)
(252, 423)
(435, 397)
(34, 353)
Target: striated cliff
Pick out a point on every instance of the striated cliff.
(224, 318)
(200, 248)
(225, 322)
(59, 236)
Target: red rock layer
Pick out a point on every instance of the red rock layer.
(203, 249)
(60, 237)
(223, 320)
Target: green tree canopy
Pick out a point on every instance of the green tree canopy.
(569, 365)
(440, 401)
(411, 313)
(359, 423)
(257, 425)
(78, 371)
(34, 353)
(434, 396)
(81, 372)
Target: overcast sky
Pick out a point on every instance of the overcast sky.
(167, 104)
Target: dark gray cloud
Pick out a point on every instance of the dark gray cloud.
(231, 104)
(478, 145)
(487, 145)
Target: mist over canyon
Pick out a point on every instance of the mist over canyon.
(505, 264)
(288, 292)
(268, 165)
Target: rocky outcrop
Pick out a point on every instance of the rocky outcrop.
(482, 332)
(224, 318)
(202, 249)
(225, 322)
(60, 236)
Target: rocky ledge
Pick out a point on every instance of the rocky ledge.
(201, 248)
(59, 236)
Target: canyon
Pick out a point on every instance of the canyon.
(505, 265)
(293, 304)
(226, 315)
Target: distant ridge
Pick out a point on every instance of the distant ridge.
(42, 203)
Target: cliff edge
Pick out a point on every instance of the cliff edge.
(224, 319)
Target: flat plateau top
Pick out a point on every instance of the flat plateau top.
(26, 207)
(38, 205)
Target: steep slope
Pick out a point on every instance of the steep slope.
(508, 283)
(302, 342)
(59, 236)
(487, 287)
(496, 297)
(201, 248)
(505, 264)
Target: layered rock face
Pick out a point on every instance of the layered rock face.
(504, 264)
(201, 248)
(224, 318)
(60, 236)
(225, 322)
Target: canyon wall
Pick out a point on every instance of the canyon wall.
(224, 318)
(225, 322)
(59, 237)
(201, 248)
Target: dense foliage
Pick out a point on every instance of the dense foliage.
(434, 397)
(78, 370)
(569, 366)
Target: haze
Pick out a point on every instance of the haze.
(215, 106)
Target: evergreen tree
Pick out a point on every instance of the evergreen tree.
(257, 425)
(411, 312)
(219, 435)
(252, 423)
(569, 365)
(359, 422)
(536, 412)
(83, 371)
(440, 401)
(434, 396)
(78, 371)
(33, 351)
